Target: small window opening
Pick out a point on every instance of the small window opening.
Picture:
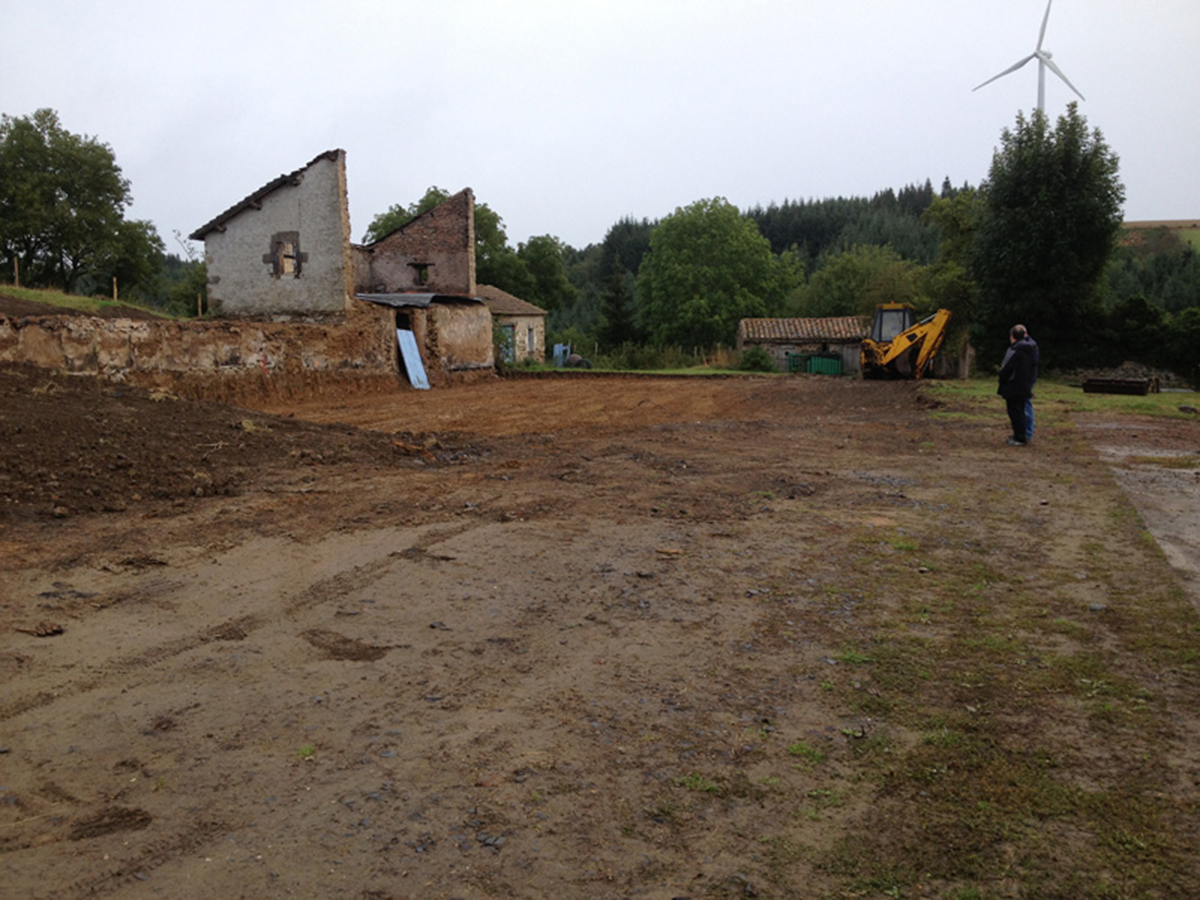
(420, 272)
(285, 257)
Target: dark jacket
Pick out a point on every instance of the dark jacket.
(1018, 372)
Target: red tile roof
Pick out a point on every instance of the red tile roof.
(502, 303)
(832, 328)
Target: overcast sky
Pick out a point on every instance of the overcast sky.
(565, 115)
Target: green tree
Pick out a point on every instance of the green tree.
(854, 282)
(1135, 329)
(617, 309)
(543, 257)
(948, 282)
(189, 281)
(495, 261)
(1183, 337)
(62, 206)
(708, 267)
(1158, 264)
(133, 257)
(584, 270)
(1051, 216)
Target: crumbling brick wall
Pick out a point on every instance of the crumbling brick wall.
(434, 253)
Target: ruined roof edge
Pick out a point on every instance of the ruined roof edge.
(427, 212)
(262, 192)
(401, 299)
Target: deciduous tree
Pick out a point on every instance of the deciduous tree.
(398, 215)
(707, 268)
(856, 281)
(543, 256)
(62, 206)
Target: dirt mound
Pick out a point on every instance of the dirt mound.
(72, 445)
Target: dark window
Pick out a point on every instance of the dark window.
(420, 272)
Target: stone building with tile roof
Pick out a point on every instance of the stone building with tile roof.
(786, 338)
(522, 325)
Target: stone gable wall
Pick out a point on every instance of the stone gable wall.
(313, 213)
(441, 240)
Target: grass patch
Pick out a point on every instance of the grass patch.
(73, 301)
(1012, 727)
(1053, 399)
(1186, 461)
(700, 783)
(853, 658)
(806, 752)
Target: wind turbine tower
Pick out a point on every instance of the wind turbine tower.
(1045, 61)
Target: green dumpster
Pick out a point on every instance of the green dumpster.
(798, 362)
(824, 364)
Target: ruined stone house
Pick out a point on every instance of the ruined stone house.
(295, 306)
(284, 254)
(285, 249)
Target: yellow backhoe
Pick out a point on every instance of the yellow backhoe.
(899, 347)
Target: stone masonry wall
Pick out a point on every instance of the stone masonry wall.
(238, 359)
(216, 359)
(520, 327)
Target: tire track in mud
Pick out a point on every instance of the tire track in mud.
(155, 855)
(332, 588)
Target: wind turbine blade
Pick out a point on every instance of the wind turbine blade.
(1059, 72)
(1011, 68)
(1045, 19)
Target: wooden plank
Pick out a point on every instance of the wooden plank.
(1117, 386)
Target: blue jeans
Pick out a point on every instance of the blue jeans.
(1029, 419)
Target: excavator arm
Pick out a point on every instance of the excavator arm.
(910, 352)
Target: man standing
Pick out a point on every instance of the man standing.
(1018, 372)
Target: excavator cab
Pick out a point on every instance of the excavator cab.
(898, 346)
(890, 320)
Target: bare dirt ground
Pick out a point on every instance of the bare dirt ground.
(588, 637)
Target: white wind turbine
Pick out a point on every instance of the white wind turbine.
(1044, 62)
